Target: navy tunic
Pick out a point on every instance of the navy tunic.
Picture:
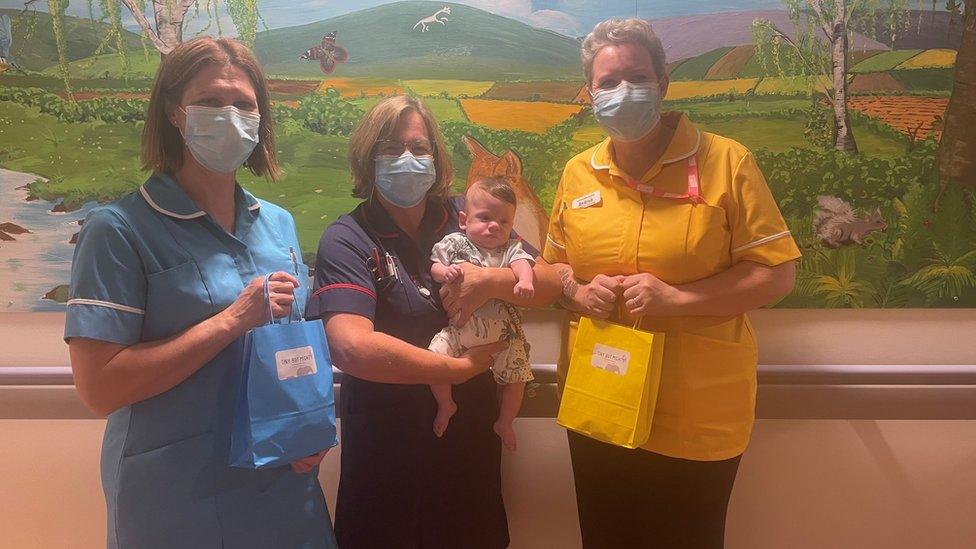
(400, 486)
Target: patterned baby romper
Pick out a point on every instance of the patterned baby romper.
(495, 320)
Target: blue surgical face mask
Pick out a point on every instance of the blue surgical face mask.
(221, 138)
(629, 111)
(404, 180)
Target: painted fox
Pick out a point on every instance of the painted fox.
(836, 225)
(531, 221)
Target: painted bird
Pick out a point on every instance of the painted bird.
(328, 53)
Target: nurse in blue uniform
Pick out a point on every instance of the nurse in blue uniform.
(401, 486)
(164, 283)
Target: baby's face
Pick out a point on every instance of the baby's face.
(486, 220)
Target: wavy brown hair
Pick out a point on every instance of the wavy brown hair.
(379, 124)
(162, 143)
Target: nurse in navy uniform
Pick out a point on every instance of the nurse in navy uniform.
(401, 486)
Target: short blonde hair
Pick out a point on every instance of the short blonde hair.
(379, 124)
(622, 31)
(162, 143)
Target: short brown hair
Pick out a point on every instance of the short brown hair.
(379, 124)
(496, 187)
(162, 144)
(621, 31)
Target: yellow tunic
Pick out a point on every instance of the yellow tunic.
(602, 225)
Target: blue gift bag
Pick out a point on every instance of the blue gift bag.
(285, 408)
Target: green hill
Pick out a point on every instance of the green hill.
(382, 41)
(34, 47)
(109, 65)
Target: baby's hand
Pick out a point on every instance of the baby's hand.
(524, 289)
(454, 272)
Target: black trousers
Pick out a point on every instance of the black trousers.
(635, 498)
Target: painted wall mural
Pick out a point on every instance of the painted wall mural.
(851, 107)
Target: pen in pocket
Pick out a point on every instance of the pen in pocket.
(294, 259)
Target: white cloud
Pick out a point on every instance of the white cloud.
(558, 21)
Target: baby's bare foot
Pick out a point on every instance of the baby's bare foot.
(505, 432)
(445, 411)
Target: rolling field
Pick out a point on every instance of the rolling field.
(535, 91)
(931, 59)
(905, 113)
(875, 82)
(731, 63)
(109, 65)
(534, 116)
(360, 87)
(453, 88)
(790, 85)
(697, 67)
(444, 110)
(706, 88)
(885, 61)
(940, 80)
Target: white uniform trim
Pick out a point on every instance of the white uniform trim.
(160, 209)
(554, 243)
(109, 304)
(594, 164)
(692, 152)
(761, 241)
(256, 206)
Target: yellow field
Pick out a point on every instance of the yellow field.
(930, 59)
(454, 88)
(790, 85)
(530, 116)
(699, 88)
(358, 87)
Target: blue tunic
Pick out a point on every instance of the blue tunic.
(147, 267)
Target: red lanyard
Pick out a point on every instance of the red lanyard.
(694, 191)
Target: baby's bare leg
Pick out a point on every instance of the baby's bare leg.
(525, 287)
(445, 407)
(510, 401)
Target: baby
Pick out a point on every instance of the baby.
(487, 219)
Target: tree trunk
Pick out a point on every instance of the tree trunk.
(843, 134)
(957, 151)
(169, 23)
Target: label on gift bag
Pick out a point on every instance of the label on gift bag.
(296, 362)
(610, 359)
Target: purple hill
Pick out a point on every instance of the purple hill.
(692, 35)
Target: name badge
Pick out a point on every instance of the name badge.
(296, 362)
(587, 200)
(611, 359)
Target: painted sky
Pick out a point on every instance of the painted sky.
(570, 17)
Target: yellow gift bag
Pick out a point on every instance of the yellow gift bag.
(611, 387)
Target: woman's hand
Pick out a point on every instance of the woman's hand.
(645, 294)
(477, 360)
(250, 309)
(598, 298)
(466, 293)
(306, 464)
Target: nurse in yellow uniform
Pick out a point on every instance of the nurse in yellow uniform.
(675, 228)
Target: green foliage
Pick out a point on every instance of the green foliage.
(106, 109)
(798, 176)
(324, 113)
(819, 128)
(244, 14)
(543, 155)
